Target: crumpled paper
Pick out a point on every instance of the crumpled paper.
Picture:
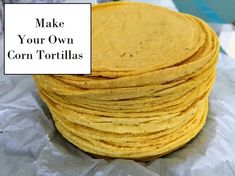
(30, 145)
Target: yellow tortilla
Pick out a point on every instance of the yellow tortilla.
(152, 72)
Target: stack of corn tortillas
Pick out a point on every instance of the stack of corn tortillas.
(152, 72)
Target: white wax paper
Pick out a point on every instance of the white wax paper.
(30, 145)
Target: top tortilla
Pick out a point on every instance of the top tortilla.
(129, 37)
